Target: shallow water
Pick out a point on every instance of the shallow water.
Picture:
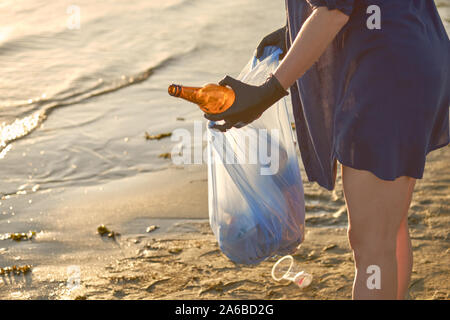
(82, 99)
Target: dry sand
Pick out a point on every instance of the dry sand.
(181, 260)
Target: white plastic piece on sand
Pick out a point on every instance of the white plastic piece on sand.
(287, 269)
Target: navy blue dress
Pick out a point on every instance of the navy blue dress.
(376, 100)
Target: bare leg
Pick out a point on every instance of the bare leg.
(404, 253)
(376, 209)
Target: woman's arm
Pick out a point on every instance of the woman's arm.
(312, 40)
(316, 34)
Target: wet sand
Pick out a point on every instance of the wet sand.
(181, 259)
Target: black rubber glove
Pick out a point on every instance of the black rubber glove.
(249, 104)
(276, 38)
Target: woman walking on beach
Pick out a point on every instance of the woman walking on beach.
(370, 86)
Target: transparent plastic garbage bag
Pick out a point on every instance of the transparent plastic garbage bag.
(255, 191)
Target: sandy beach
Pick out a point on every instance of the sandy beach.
(181, 259)
(190, 266)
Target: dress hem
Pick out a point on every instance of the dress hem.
(415, 176)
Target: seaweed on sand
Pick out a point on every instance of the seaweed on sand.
(102, 230)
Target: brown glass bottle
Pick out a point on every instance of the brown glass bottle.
(211, 98)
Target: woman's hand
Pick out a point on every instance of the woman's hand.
(249, 104)
(276, 38)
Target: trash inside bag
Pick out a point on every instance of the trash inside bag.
(255, 191)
